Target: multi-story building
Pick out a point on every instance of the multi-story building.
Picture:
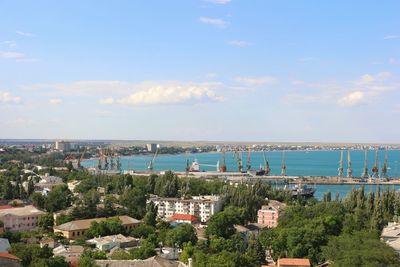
(76, 229)
(63, 146)
(151, 147)
(20, 218)
(268, 215)
(202, 207)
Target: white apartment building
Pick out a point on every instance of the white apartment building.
(202, 207)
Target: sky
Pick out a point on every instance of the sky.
(234, 70)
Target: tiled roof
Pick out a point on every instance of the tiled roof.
(22, 211)
(6, 255)
(184, 217)
(294, 262)
(85, 224)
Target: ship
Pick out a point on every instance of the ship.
(300, 190)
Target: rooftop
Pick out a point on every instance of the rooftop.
(155, 261)
(5, 255)
(111, 238)
(21, 211)
(392, 230)
(85, 224)
(183, 217)
(293, 262)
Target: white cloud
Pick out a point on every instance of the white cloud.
(298, 82)
(389, 37)
(393, 61)
(171, 93)
(220, 2)
(239, 43)
(10, 44)
(7, 98)
(213, 21)
(256, 81)
(55, 101)
(26, 34)
(11, 54)
(369, 78)
(106, 101)
(352, 99)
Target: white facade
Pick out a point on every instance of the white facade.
(202, 207)
(63, 146)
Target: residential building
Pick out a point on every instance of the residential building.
(63, 146)
(76, 229)
(70, 253)
(268, 215)
(106, 243)
(202, 207)
(20, 218)
(184, 218)
(293, 262)
(155, 261)
(9, 260)
(151, 147)
(50, 242)
(4, 245)
(391, 236)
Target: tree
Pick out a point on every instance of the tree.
(109, 226)
(146, 250)
(51, 262)
(142, 231)
(59, 198)
(46, 222)
(181, 234)
(38, 200)
(29, 252)
(222, 224)
(151, 214)
(255, 251)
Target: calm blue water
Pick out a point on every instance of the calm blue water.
(344, 189)
(305, 163)
(314, 163)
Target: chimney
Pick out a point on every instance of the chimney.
(190, 262)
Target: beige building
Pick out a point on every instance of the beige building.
(20, 218)
(268, 215)
(76, 229)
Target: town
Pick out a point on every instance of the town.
(55, 215)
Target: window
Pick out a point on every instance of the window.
(73, 233)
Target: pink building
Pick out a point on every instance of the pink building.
(20, 218)
(268, 215)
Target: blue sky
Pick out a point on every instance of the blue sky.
(322, 71)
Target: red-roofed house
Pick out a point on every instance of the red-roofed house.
(9, 260)
(184, 218)
(292, 262)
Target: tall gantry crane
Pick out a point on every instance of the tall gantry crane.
(283, 166)
(385, 165)
(248, 166)
(365, 169)
(375, 169)
(223, 166)
(238, 157)
(349, 167)
(266, 165)
(150, 166)
(340, 170)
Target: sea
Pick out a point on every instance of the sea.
(298, 163)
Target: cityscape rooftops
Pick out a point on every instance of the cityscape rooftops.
(85, 224)
(21, 211)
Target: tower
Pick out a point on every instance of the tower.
(340, 170)
(375, 169)
(349, 168)
(385, 165)
(283, 167)
(365, 169)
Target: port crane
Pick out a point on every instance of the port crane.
(340, 170)
(248, 165)
(223, 166)
(283, 167)
(150, 166)
(385, 165)
(266, 165)
(375, 169)
(238, 157)
(365, 169)
(349, 167)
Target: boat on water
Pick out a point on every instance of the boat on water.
(299, 190)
